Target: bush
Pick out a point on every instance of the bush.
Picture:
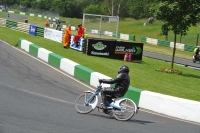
(171, 71)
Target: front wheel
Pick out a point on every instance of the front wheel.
(127, 111)
(80, 103)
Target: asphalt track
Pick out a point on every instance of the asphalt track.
(13, 16)
(37, 98)
(184, 62)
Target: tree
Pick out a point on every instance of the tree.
(178, 16)
(94, 9)
(113, 7)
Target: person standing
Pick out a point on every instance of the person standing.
(58, 25)
(80, 34)
(67, 36)
(47, 23)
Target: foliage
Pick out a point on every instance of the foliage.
(170, 71)
(94, 9)
(75, 8)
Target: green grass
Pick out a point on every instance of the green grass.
(143, 75)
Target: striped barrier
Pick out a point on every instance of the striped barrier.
(11, 24)
(180, 46)
(3, 22)
(164, 104)
(24, 27)
(40, 31)
(112, 34)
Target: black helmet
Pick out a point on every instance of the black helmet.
(123, 69)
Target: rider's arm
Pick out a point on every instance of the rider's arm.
(195, 50)
(114, 80)
(111, 81)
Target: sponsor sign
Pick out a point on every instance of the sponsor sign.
(32, 14)
(108, 33)
(79, 46)
(99, 47)
(11, 11)
(114, 49)
(32, 30)
(22, 13)
(121, 48)
(53, 34)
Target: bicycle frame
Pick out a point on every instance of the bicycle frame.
(95, 94)
(114, 104)
(121, 108)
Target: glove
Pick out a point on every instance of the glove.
(100, 81)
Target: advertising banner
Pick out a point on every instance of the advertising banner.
(121, 48)
(114, 49)
(32, 30)
(79, 46)
(99, 47)
(53, 34)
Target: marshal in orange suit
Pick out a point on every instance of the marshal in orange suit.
(67, 36)
(80, 34)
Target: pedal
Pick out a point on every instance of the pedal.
(137, 110)
(99, 107)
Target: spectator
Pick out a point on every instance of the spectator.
(151, 20)
(47, 23)
(80, 34)
(67, 36)
(26, 21)
(58, 26)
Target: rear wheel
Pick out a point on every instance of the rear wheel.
(127, 112)
(80, 103)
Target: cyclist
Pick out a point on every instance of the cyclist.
(122, 82)
(196, 52)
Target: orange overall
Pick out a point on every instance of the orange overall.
(47, 23)
(80, 34)
(67, 36)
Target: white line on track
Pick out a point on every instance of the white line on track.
(147, 111)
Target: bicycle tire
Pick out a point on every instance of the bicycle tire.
(80, 105)
(128, 111)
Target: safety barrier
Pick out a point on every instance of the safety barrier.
(2, 22)
(11, 24)
(180, 46)
(40, 31)
(24, 27)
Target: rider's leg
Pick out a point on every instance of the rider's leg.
(107, 94)
(195, 57)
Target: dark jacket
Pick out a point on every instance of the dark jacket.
(122, 82)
